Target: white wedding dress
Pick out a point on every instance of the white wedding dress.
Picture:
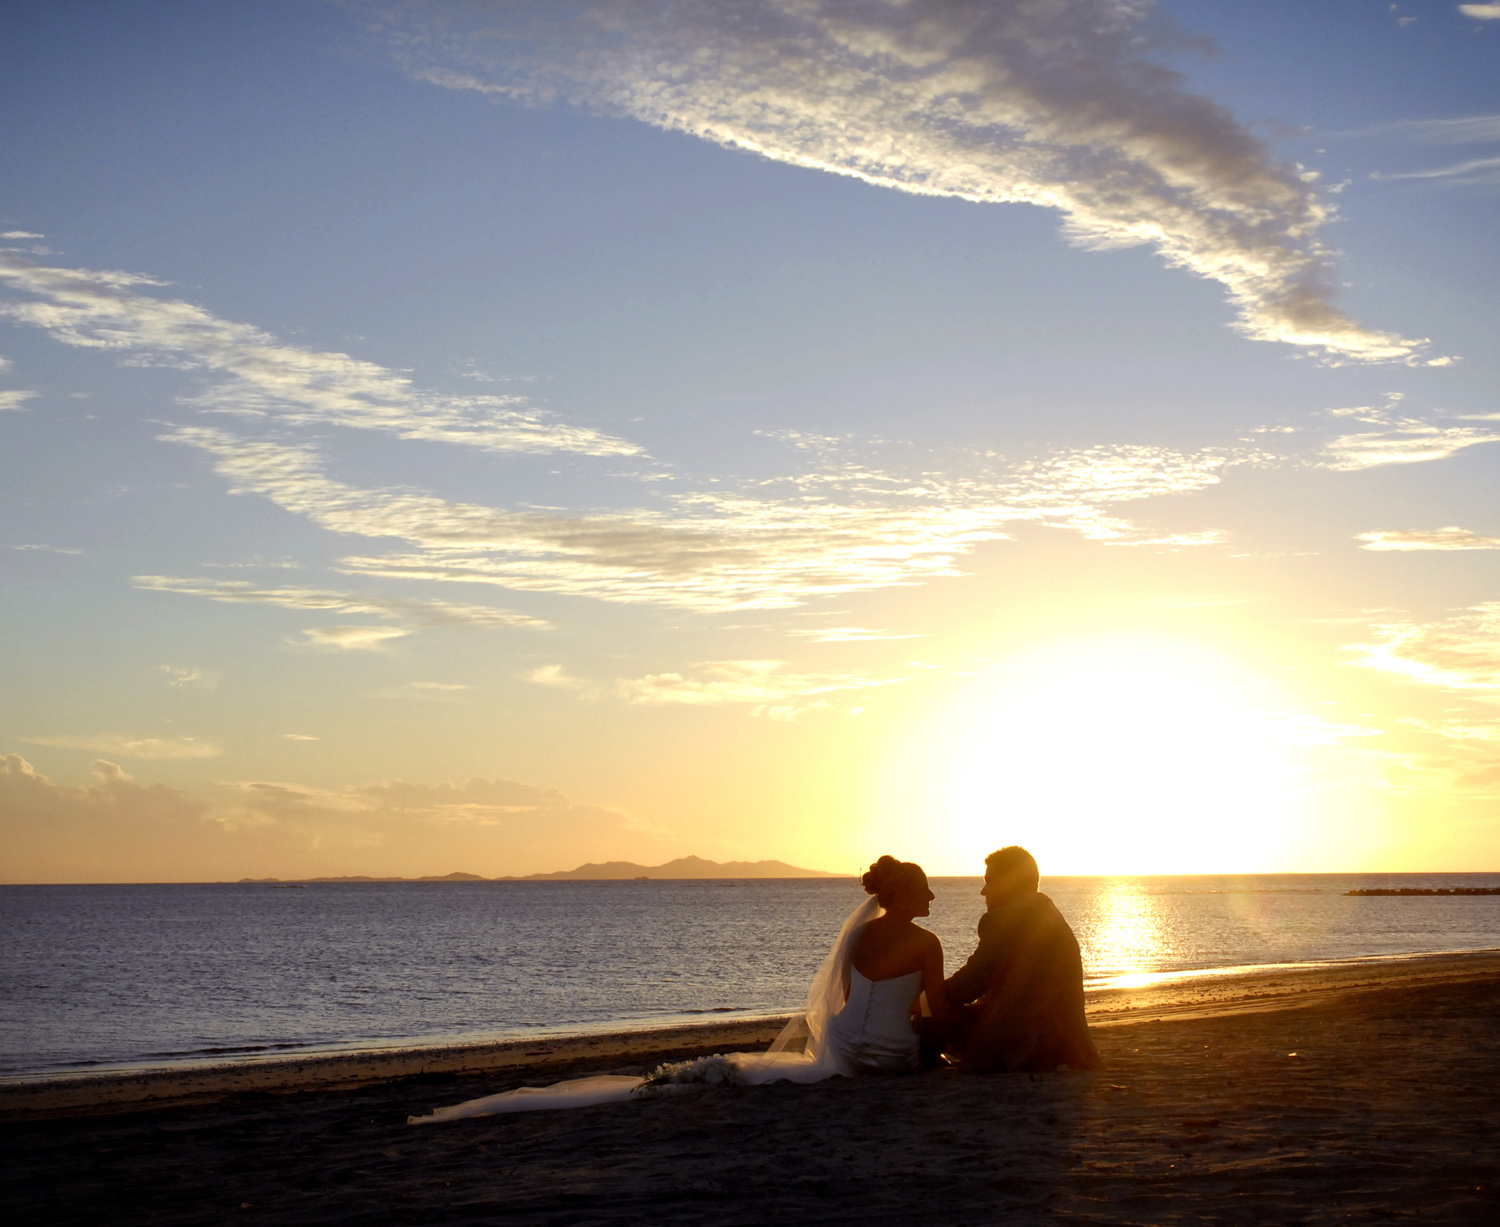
(850, 1025)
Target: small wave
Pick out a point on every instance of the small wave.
(222, 1051)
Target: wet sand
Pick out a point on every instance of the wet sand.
(1353, 1093)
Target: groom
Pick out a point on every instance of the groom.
(1019, 998)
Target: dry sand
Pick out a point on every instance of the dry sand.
(1388, 1109)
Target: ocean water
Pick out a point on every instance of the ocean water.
(100, 977)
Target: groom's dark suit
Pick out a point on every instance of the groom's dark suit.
(1019, 998)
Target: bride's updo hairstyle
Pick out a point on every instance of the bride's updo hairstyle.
(888, 877)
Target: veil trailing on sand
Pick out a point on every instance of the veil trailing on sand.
(800, 1053)
(817, 1058)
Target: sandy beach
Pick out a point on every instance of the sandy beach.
(1352, 1092)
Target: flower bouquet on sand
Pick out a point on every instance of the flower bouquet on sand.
(674, 1077)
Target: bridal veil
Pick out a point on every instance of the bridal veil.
(801, 1053)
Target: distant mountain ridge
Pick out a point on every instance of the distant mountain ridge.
(682, 867)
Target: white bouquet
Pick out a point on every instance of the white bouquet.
(672, 1077)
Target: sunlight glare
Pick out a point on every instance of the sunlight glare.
(1121, 758)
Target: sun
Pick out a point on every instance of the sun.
(1121, 757)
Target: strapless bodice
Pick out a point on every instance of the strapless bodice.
(873, 1031)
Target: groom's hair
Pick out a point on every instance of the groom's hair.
(1013, 862)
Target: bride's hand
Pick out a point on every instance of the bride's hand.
(933, 992)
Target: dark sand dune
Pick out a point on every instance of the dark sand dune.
(1372, 1101)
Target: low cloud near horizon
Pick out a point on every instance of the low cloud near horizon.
(115, 829)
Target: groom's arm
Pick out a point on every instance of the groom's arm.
(971, 980)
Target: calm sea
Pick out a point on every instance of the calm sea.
(95, 977)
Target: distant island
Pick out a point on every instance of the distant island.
(684, 867)
(1423, 890)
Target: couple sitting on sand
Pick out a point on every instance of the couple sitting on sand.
(1017, 1004)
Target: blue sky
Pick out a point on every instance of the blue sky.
(512, 445)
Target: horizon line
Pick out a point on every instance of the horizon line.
(819, 876)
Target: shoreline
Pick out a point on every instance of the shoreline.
(741, 1021)
(1211, 994)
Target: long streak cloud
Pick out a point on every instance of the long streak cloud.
(846, 531)
(1055, 103)
(259, 376)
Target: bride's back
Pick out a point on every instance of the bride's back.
(891, 945)
(891, 962)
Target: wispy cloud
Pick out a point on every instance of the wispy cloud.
(425, 692)
(1057, 103)
(1414, 444)
(767, 687)
(841, 527)
(259, 563)
(189, 679)
(1460, 130)
(1451, 538)
(14, 401)
(352, 638)
(132, 747)
(553, 675)
(507, 796)
(1398, 441)
(1481, 12)
(1474, 170)
(1457, 730)
(762, 684)
(849, 634)
(419, 612)
(1460, 653)
(263, 378)
(479, 801)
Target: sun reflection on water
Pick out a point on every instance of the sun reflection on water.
(1122, 936)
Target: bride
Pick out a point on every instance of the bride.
(858, 1018)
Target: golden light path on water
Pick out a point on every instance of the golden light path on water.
(1123, 757)
(1125, 937)
(1132, 933)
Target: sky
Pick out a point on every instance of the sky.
(488, 437)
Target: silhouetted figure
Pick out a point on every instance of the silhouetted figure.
(1019, 998)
